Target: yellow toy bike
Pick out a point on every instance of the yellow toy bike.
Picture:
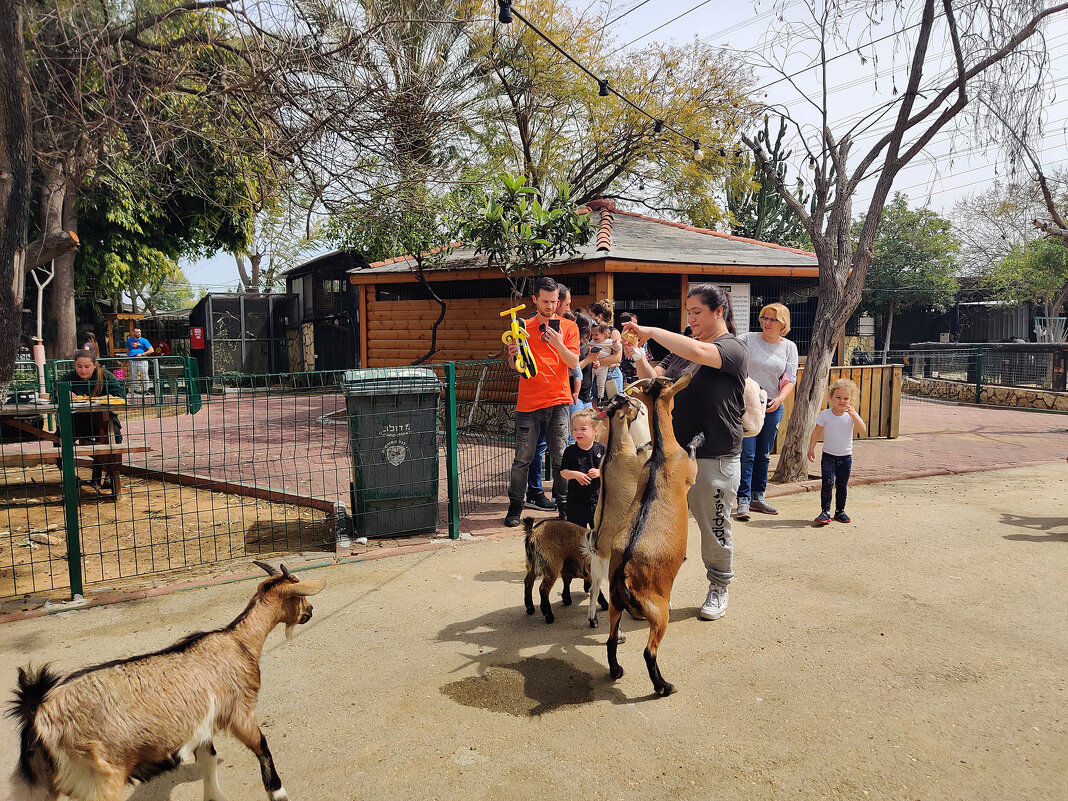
(517, 335)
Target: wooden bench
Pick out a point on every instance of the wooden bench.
(106, 457)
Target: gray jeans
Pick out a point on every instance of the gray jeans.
(528, 428)
(711, 500)
(140, 377)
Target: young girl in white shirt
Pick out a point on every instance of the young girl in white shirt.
(837, 425)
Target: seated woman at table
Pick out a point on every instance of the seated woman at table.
(89, 380)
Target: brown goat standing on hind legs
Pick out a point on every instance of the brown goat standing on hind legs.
(88, 734)
(651, 545)
(620, 470)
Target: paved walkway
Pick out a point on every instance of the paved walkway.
(855, 662)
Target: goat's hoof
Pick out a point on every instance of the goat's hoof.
(530, 610)
(566, 600)
(593, 622)
(616, 672)
(665, 690)
(550, 619)
(620, 638)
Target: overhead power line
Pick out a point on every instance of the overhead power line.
(604, 90)
(632, 8)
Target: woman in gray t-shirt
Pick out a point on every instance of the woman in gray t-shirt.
(773, 365)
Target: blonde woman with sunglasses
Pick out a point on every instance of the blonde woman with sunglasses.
(773, 365)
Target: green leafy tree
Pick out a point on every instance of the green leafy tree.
(548, 121)
(520, 234)
(1034, 273)
(757, 210)
(913, 264)
(138, 220)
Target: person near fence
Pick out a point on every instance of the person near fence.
(91, 344)
(712, 405)
(626, 366)
(773, 365)
(611, 358)
(581, 467)
(544, 400)
(89, 380)
(136, 348)
(605, 351)
(535, 491)
(837, 425)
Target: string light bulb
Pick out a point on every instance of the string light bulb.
(812, 162)
(698, 153)
(602, 83)
(658, 127)
(505, 14)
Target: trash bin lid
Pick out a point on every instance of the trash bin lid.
(390, 381)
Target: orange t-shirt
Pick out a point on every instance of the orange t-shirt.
(552, 385)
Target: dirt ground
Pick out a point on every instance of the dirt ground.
(154, 527)
(919, 653)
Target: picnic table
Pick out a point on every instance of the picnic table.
(104, 457)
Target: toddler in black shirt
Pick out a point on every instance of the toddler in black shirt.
(581, 466)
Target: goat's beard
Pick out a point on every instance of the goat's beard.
(291, 630)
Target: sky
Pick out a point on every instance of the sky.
(938, 178)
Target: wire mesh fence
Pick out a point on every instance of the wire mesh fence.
(1030, 375)
(98, 490)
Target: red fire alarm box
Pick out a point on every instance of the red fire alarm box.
(196, 338)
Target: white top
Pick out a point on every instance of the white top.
(837, 433)
(768, 362)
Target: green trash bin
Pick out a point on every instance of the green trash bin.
(393, 427)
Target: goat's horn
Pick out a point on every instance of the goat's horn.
(270, 570)
(308, 587)
(287, 574)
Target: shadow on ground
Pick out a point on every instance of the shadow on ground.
(160, 788)
(509, 680)
(1046, 524)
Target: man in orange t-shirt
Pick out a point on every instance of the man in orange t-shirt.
(545, 399)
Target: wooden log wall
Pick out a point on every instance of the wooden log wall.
(878, 401)
(398, 331)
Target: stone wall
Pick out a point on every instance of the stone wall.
(994, 396)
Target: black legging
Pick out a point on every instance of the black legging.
(835, 470)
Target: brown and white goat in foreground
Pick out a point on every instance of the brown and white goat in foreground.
(88, 734)
(555, 549)
(620, 469)
(651, 544)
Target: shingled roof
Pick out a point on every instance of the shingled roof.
(626, 235)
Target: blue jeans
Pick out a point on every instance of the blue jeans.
(529, 427)
(615, 374)
(755, 452)
(835, 472)
(536, 464)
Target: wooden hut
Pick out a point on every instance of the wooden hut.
(641, 263)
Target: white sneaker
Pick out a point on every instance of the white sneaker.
(715, 605)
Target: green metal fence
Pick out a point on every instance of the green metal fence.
(195, 471)
(974, 374)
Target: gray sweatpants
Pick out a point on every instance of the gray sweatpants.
(711, 500)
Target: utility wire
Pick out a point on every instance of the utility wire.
(654, 30)
(603, 82)
(632, 8)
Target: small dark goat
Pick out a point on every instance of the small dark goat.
(555, 549)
